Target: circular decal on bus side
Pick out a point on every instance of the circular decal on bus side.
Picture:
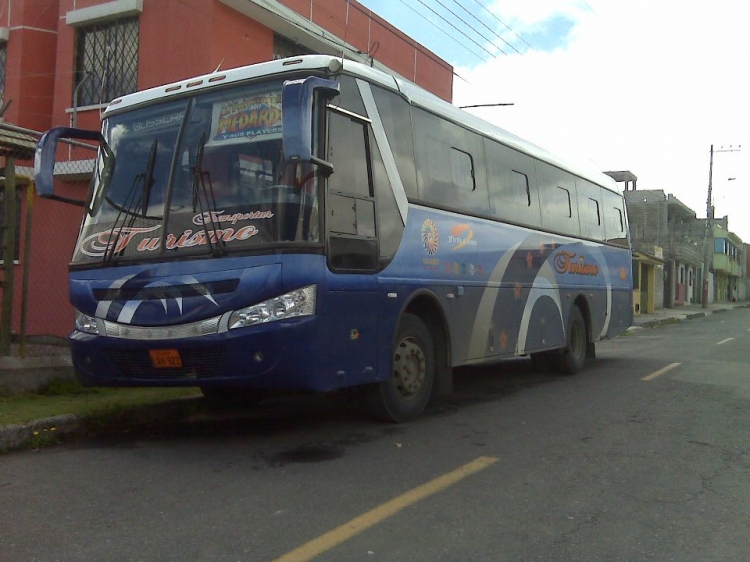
(429, 237)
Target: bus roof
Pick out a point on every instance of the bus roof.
(414, 94)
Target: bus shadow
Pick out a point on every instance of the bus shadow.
(490, 383)
(339, 414)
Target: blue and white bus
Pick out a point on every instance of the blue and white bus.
(315, 224)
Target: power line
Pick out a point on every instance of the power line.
(433, 24)
(467, 24)
(465, 9)
(457, 29)
(505, 25)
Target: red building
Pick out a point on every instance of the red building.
(61, 61)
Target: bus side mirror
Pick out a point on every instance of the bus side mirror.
(44, 160)
(297, 117)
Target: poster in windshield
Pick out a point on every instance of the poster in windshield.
(246, 119)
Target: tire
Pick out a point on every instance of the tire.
(404, 396)
(573, 356)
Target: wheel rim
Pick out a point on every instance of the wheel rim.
(409, 367)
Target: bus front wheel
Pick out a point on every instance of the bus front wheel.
(404, 396)
(573, 356)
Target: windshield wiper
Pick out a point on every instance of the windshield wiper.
(202, 194)
(137, 198)
(148, 177)
(142, 184)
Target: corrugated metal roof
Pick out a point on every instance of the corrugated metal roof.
(17, 145)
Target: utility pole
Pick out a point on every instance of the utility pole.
(708, 249)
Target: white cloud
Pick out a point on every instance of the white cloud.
(640, 85)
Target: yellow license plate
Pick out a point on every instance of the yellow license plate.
(165, 358)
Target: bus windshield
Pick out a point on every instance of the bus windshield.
(197, 176)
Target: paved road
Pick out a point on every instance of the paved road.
(516, 466)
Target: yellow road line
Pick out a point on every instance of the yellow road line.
(724, 341)
(340, 534)
(660, 372)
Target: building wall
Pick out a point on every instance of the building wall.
(647, 217)
(30, 70)
(177, 39)
(685, 282)
(30, 89)
(370, 33)
(658, 219)
(745, 283)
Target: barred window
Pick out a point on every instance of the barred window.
(106, 61)
(284, 48)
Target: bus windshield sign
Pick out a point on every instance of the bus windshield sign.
(246, 118)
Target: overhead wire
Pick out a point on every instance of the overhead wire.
(471, 28)
(456, 28)
(467, 24)
(505, 25)
(465, 9)
(432, 23)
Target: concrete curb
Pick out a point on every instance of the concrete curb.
(45, 431)
(681, 317)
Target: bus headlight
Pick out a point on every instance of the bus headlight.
(86, 323)
(294, 304)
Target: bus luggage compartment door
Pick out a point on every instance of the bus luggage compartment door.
(351, 336)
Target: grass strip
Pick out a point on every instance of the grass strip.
(68, 397)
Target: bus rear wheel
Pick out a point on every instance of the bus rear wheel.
(573, 356)
(404, 396)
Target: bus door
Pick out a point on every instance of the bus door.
(352, 250)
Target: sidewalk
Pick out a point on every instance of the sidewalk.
(678, 314)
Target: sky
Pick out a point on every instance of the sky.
(641, 85)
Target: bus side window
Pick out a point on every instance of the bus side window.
(519, 187)
(348, 145)
(557, 197)
(512, 185)
(390, 228)
(589, 208)
(350, 205)
(450, 164)
(614, 218)
(592, 214)
(395, 113)
(462, 169)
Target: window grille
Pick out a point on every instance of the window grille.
(284, 48)
(106, 61)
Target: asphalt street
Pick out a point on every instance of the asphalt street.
(643, 456)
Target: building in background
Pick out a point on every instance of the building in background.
(660, 221)
(648, 254)
(727, 262)
(62, 61)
